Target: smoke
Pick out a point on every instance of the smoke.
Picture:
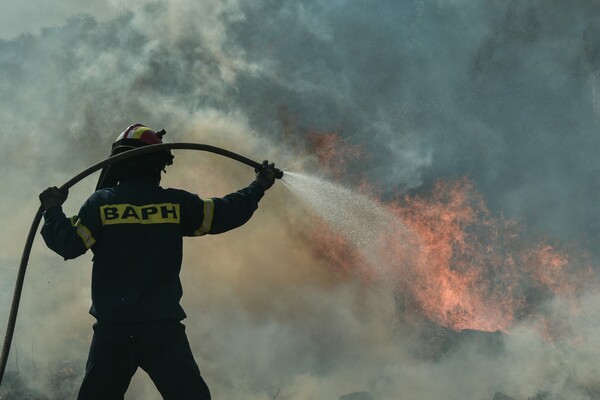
(506, 93)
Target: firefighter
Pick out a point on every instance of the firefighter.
(134, 227)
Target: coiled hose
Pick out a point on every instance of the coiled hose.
(12, 318)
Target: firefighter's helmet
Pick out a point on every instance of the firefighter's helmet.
(136, 135)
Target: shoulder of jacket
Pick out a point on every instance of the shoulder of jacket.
(101, 196)
(178, 192)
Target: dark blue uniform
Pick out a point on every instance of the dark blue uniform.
(135, 231)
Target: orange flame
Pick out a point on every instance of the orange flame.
(332, 152)
(472, 270)
(450, 277)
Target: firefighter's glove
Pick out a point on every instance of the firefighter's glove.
(53, 197)
(265, 175)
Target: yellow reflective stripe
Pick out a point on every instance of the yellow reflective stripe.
(84, 233)
(209, 211)
(139, 131)
(164, 213)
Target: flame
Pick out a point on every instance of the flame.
(472, 270)
(459, 253)
(334, 248)
(549, 268)
(333, 154)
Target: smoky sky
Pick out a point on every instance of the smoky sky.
(503, 92)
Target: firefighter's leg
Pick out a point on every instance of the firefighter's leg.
(110, 365)
(168, 360)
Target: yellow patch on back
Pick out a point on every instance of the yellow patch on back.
(164, 213)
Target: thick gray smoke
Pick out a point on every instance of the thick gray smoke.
(504, 92)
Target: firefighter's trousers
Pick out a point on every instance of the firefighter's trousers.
(159, 348)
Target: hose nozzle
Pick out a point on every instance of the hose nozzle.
(266, 165)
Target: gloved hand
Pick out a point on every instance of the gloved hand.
(265, 175)
(53, 197)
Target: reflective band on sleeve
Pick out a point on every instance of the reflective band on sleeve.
(84, 233)
(209, 209)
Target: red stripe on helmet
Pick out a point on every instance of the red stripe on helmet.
(150, 137)
(127, 133)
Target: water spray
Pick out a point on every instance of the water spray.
(12, 318)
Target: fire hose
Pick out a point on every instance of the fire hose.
(12, 318)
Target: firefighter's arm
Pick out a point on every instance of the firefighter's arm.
(68, 237)
(235, 209)
(218, 215)
(65, 236)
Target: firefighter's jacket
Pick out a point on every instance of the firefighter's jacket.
(135, 231)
